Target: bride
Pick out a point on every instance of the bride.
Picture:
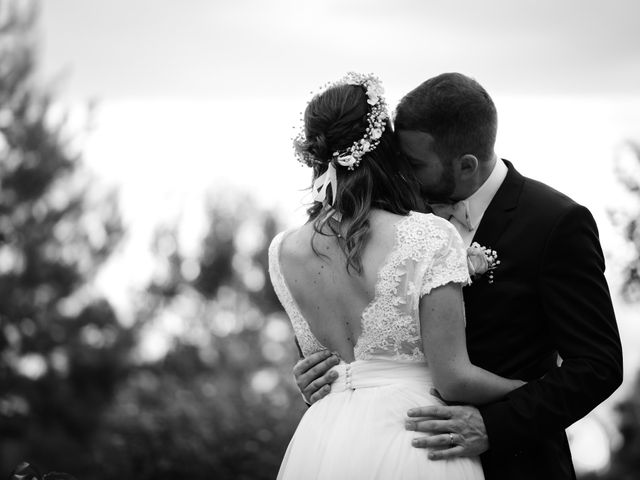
(373, 278)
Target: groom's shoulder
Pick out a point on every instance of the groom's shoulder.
(545, 206)
(544, 198)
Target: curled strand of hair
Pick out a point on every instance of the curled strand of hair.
(321, 224)
(357, 201)
(335, 120)
(319, 148)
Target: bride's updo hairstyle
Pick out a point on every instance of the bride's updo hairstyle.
(333, 121)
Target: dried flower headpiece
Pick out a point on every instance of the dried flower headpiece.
(350, 157)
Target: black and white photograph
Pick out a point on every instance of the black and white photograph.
(319, 240)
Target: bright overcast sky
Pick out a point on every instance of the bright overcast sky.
(206, 86)
(257, 48)
(197, 93)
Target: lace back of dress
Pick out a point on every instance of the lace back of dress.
(307, 341)
(427, 253)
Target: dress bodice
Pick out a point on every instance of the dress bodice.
(427, 253)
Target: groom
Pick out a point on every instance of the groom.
(545, 316)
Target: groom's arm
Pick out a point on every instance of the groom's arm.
(576, 301)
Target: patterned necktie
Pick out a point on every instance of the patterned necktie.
(458, 210)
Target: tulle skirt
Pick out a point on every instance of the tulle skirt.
(357, 431)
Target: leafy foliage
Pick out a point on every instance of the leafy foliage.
(625, 463)
(221, 402)
(80, 392)
(62, 350)
(628, 221)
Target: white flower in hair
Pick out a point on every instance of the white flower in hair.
(350, 157)
(374, 92)
(346, 160)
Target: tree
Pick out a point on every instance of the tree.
(625, 463)
(62, 349)
(628, 173)
(221, 402)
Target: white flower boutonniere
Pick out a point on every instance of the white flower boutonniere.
(481, 260)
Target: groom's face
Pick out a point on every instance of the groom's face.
(435, 174)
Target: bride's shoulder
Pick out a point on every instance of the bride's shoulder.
(427, 227)
(289, 243)
(278, 240)
(386, 221)
(432, 219)
(384, 217)
(381, 221)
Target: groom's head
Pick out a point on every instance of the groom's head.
(447, 128)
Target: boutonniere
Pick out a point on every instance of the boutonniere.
(481, 260)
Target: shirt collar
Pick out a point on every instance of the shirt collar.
(478, 202)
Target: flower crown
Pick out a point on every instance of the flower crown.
(350, 157)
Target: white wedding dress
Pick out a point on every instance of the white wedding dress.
(357, 431)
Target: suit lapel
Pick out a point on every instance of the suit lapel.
(501, 210)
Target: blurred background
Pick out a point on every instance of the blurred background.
(146, 163)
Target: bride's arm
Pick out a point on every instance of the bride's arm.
(445, 347)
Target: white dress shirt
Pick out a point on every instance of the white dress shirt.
(478, 202)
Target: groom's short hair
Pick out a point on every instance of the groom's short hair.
(456, 110)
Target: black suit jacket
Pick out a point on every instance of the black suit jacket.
(549, 297)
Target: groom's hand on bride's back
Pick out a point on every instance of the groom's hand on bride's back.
(313, 376)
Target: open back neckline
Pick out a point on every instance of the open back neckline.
(370, 304)
(424, 253)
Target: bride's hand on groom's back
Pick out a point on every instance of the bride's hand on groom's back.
(313, 377)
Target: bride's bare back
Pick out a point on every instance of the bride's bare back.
(374, 315)
(330, 298)
(405, 306)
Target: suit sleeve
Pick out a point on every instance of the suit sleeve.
(577, 306)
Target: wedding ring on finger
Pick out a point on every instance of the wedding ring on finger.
(451, 442)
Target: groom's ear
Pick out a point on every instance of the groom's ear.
(466, 166)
